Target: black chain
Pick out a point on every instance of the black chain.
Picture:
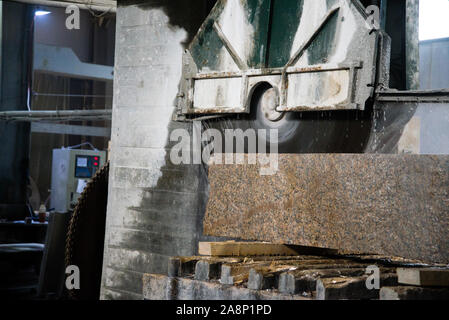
(80, 211)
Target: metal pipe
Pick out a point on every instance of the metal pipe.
(37, 94)
(63, 115)
(64, 4)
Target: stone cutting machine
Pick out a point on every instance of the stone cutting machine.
(316, 70)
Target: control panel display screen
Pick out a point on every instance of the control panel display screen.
(81, 162)
(86, 166)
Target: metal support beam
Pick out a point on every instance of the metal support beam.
(63, 61)
(419, 96)
(56, 115)
(56, 128)
(232, 52)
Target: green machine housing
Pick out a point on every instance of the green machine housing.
(315, 54)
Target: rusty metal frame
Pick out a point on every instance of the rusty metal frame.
(282, 72)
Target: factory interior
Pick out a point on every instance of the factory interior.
(227, 150)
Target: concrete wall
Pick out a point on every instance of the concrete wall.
(155, 208)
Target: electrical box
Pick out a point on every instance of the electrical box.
(71, 172)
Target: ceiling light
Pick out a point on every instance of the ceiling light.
(39, 13)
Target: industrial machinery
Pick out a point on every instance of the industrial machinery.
(317, 55)
(72, 169)
(319, 71)
(314, 70)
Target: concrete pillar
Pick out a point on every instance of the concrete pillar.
(155, 208)
(412, 44)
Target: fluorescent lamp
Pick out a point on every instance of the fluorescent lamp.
(39, 13)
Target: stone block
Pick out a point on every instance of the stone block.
(395, 205)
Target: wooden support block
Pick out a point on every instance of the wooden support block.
(413, 293)
(423, 277)
(353, 288)
(239, 249)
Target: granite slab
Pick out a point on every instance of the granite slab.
(394, 205)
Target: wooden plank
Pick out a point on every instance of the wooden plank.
(423, 277)
(238, 249)
(242, 249)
